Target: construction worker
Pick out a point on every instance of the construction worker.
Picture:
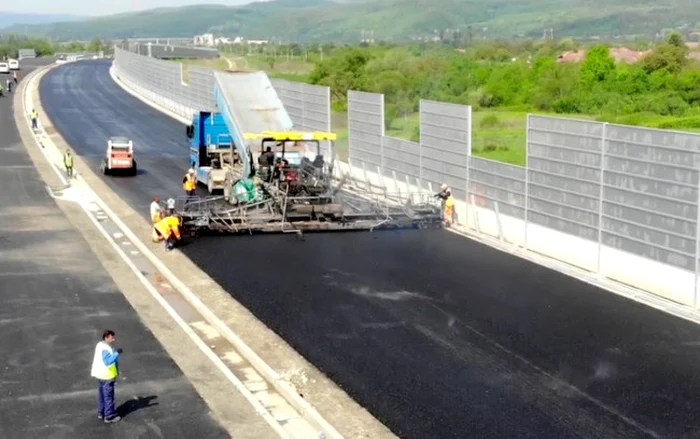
(1, 90)
(35, 119)
(171, 206)
(168, 230)
(448, 204)
(445, 192)
(156, 210)
(105, 367)
(449, 212)
(14, 77)
(68, 163)
(266, 162)
(8, 83)
(189, 183)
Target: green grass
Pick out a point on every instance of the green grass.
(281, 64)
(216, 64)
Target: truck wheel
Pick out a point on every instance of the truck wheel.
(210, 187)
(105, 171)
(134, 170)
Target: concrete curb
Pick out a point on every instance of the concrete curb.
(306, 410)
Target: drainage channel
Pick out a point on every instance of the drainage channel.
(289, 422)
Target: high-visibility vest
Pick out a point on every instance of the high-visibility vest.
(68, 160)
(168, 225)
(450, 202)
(99, 369)
(35, 114)
(190, 184)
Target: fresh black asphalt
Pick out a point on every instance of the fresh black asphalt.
(438, 336)
(55, 301)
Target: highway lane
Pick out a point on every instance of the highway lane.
(56, 299)
(436, 335)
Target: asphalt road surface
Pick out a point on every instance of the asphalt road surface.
(55, 301)
(438, 336)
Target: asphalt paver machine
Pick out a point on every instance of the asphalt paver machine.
(296, 189)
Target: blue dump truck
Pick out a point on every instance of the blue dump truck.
(212, 153)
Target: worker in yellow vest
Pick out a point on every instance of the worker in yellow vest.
(449, 210)
(168, 230)
(448, 204)
(35, 119)
(68, 163)
(105, 367)
(189, 183)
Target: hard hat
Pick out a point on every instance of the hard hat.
(443, 187)
(191, 171)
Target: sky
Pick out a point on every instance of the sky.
(101, 7)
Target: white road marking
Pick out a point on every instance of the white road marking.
(206, 329)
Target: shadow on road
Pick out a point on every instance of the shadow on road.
(136, 403)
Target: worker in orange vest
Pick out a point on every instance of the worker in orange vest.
(168, 230)
(189, 183)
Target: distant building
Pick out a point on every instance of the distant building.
(619, 54)
(26, 54)
(204, 40)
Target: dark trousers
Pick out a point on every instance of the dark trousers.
(190, 193)
(170, 242)
(34, 124)
(69, 171)
(105, 399)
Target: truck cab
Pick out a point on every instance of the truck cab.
(212, 153)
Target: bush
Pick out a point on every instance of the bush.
(490, 121)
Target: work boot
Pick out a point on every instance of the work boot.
(113, 420)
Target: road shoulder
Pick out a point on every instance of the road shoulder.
(228, 406)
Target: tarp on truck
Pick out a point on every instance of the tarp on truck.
(249, 103)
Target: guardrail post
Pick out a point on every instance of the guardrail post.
(527, 182)
(475, 214)
(498, 220)
(696, 276)
(382, 181)
(420, 146)
(601, 194)
(396, 183)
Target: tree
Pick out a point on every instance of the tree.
(671, 55)
(597, 66)
(95, 46)
(74, 46)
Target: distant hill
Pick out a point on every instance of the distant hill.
(343, 20)
(11, 18)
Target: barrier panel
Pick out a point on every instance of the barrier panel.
(308, 105)
(169, 51)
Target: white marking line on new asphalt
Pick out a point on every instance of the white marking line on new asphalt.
(260, 409)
